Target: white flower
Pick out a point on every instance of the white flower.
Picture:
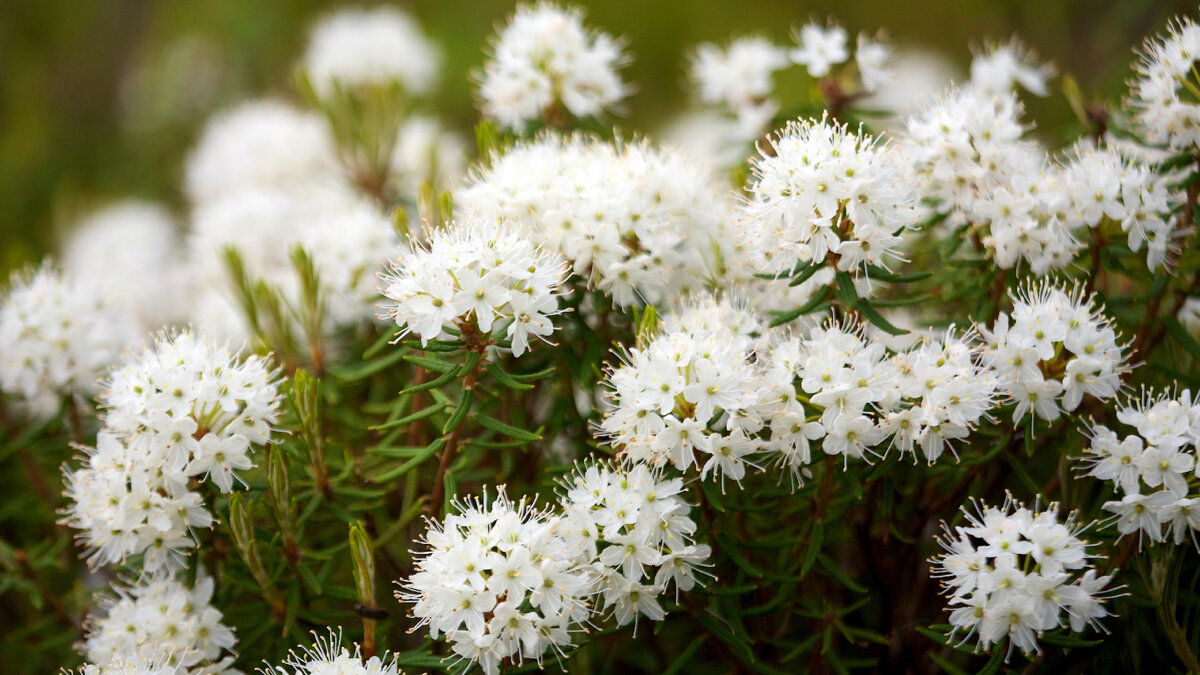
(478, 275)
(644, 525)
(425, 150)
(1054, 330)
(534, 594)
(358, 47)
(820, 48)
(739, 78)
(637, 222)
(1152, 467)
(1002, 67)
(260, 145)
(1013, 573)
(1141, 514)
(327, 656)
(58, 334)
(130, 251)
(545, 56)
(1161, 93)
(967, 149)
(690, 391)
(873, 58)
(1103, 183)
(160, 621)
(182, 410)
(822, 191)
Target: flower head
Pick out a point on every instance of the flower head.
(545, 57)
(58, 334)
(475, 278)
(1014, 572)
(186, 409)
(355, 48)
(159, 626)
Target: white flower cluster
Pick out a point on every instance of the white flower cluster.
(160, 626)
(1015, 572)
(500, 581)
(1166, 92)
(327, 656)
(820, 48)
(1105, 184)
(638, 222)
(262, 144)
(739, 77)
(544, 58)
(128, 667)
(475, 278)
(1000, 68)
(1153, 468)
(707, 392)
(691, 396)
(928, 396)
(1057, 347)
(968, 155)
(358, 47)
(58, 334)
(636, 531)
(823, 192)
(506, 582)
(131, 252)
(183, 410)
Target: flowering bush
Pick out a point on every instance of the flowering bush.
(592, 402)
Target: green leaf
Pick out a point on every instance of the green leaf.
(365, 370)
(411, 464)
(816, 303)
(945, 665)
(815, 539)
(419, 660)
(845, 292)
(677, 665)
(712, 495)
(430, 363)
(731, 548)
(530, 377)
(806, 274)
(1065, 639)
(498, 374)
(506, 429)
(409, 419)
(441, 380)
(460, 413)
(871, 314)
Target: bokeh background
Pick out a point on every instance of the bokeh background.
(101, 99)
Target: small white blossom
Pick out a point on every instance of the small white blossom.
(354, 48)
(327, 656)
(58, 334)
(545, 57)
(1057, 348)
(183, 410)
(160, 626)
(820, 48)
(1013, 573)
(473, 274)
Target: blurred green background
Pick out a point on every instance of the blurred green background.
(102, 99)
